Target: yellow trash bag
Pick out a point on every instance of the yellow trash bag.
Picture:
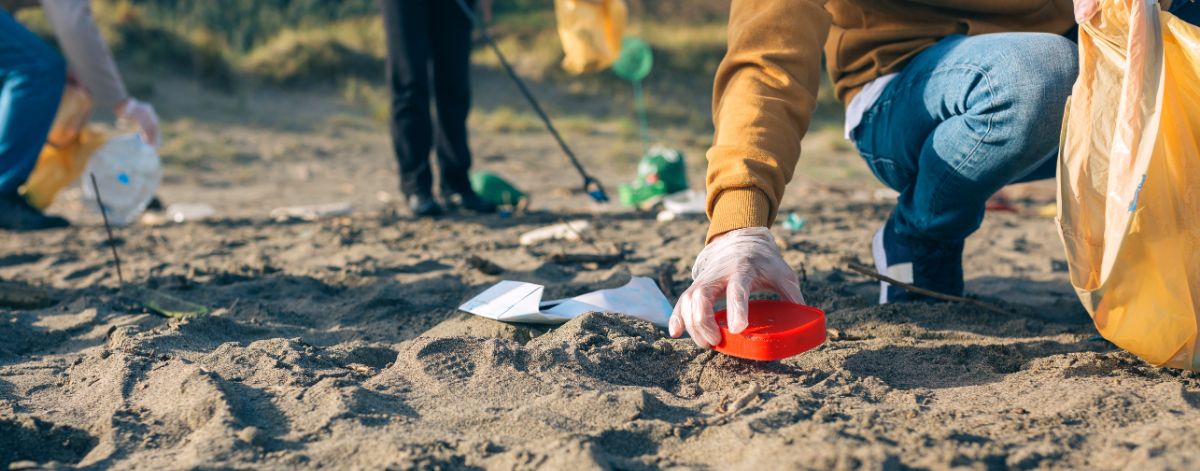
(1129, 180)
(591, 32)
(67, 150)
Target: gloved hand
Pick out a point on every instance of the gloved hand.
(143, 116)
(732, 265)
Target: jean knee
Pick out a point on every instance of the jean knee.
(1042, 71)
(1032, 82)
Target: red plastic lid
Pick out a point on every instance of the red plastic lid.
(777, 330)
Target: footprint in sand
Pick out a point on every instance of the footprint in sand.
(447, 360)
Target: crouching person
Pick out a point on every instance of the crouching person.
(32, 77)
(947, 102)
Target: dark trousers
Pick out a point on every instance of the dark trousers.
(425, 36)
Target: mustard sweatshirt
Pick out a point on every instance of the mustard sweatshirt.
(766, 86)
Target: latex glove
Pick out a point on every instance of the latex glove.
(1085, 9)
(142, 115)
(733, 265)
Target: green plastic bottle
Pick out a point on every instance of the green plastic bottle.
(498, 191)
(661, 172)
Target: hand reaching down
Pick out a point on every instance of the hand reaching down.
(143, 116)
(733, 265)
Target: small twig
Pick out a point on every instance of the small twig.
(586, 239)
(577, 258)
(924, 292)
(485, 266)
(726, 409)
(21, 296)
(111, 242)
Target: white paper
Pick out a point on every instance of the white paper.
(511, 301)
(514, 301)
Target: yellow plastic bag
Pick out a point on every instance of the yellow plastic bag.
(591, 32)
(1129, 180)
(67, 149)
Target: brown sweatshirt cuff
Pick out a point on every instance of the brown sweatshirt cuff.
(738, 208)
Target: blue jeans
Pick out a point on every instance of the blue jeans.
(966, 117)
(1187, 10)
(32, 77)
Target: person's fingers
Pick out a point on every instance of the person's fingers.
(780, 278)
(705, 322)
(675, 325)
(737, 303)
(790, 290)
(150, 134)
(689, 319)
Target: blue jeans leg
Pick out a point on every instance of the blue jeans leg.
(32, 77)
(1187, 10)
(962, 120)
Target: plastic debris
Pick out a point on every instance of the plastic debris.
(496, 190)
(515, 301)
(794, 223)
(128, 173)
(562, 231)
(661, 172)
(183, 212)
(312, 212)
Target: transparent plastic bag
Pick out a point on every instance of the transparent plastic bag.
(1129, 180)
(128, 172)
(591, 32)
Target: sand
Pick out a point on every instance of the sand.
(336, 344)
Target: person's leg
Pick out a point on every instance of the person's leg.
(406, 23)
(33, 77)
(965, 118)
(451, 45)
(1187, 10)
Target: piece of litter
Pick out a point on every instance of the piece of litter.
(685, 202)
(515, 301)
(1049, 211)
(485, 266)
(166, 305)
(794, 223)
(562, 231)
(181, 212)
(312, 212)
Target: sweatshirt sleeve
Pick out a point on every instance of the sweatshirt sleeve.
(88, 56)
(764, 96)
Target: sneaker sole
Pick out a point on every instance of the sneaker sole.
(880, 257)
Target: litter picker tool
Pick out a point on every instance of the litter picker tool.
(160, 303)
(112, 243)
(591, 185)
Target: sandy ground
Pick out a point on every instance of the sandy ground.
(336, 343)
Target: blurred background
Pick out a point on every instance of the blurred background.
(262, 95)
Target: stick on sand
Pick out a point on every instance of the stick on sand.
(922, 291)
(111, 242)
